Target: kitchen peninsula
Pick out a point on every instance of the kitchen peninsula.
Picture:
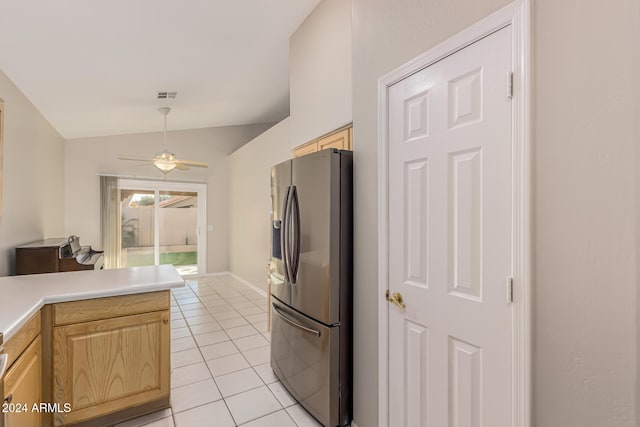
(92, 346)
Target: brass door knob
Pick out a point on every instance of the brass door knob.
(396, 298)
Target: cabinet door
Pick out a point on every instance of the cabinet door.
(23, 387)
(308, 148)
(339, 140)
(106, 366)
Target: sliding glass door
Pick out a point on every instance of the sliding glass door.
(161, 223)
(178, 230)
(137, 230)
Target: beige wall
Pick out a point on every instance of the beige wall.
(586, 130)
(320, 72)
(33, 176)
(250, 202)
(85, 158)
(586, 134)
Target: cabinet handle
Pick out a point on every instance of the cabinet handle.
(165, 321)
(9, 398)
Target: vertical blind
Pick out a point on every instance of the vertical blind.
(110, 221)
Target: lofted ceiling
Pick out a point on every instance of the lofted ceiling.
(94, 67)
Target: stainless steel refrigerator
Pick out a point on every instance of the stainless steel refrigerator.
(311, 273)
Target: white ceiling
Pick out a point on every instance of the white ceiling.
(93, 67)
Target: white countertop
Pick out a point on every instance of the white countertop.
(22, 296)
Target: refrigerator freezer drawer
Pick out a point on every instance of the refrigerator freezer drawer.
(305, 356)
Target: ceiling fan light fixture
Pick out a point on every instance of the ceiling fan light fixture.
(166, 161)
(165, 166)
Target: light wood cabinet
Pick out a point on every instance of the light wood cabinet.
(67, 313)
(110, 357)
(1, 150)
(308, 148)
(107, 359)
(19, 342)
(340, 139)
(23, 388)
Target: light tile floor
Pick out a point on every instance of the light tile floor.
(220, 373)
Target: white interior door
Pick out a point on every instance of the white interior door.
(450, 240)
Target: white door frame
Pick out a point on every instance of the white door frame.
(201, 189)
(516, 14)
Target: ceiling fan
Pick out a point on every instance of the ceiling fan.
(165, 160)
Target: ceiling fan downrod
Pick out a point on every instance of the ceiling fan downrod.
(164, 160)
(165, 111)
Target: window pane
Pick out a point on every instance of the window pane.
(137, 227)
(178, 222)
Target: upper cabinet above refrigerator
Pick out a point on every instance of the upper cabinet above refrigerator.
(340, 139)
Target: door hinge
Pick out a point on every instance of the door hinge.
(510, 288)
(510, 84)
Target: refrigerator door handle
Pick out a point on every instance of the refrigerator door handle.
(290, 237)
(295, 217)
(295, 324)
(284, 234)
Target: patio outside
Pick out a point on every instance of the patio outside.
(177, 221)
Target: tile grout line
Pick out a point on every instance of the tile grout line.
(243, 356)
(203, 358)
(267, 385)
(232, 340)
(250, 364)
(205, 362)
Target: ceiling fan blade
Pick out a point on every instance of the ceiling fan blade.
(135, 159)
(165, 160)
(193, 163)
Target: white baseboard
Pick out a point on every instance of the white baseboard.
(219, 273)
(239, 279)
(249, 284)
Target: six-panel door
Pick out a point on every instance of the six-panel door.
(450, 237)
